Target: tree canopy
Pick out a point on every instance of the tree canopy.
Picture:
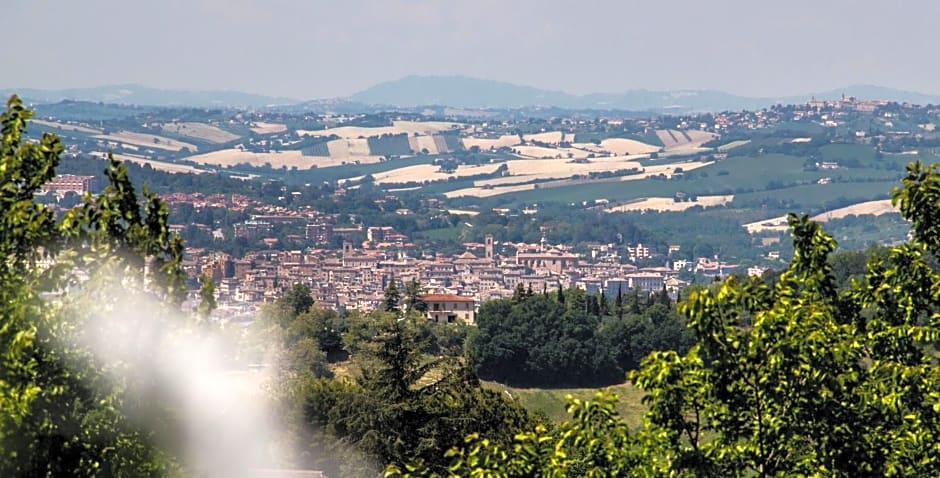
(570, 337)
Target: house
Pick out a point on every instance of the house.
(756, 271)
(66, 183)
(638, 252)
(645, 281)
(450, 308)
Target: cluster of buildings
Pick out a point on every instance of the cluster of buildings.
(355, 278)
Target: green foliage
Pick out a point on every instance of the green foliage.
(295, 326)
(392, 296)
(60, 415)
(206, 298)
(413, 300)
(404, 406)
(801, 378)
(297, 301)
(637, 335)
(564, 339)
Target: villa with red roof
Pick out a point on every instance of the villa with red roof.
(450, 308)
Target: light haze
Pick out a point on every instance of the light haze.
(318, 49)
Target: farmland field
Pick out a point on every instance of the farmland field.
(200, 131)
(289, 159)
(147, 141)
(389, 145)
(398, 127)
(343, 148)
(562, 169)
(733, 144)
(66, 126)
(487, 143)
(421, 143)
(430, 172)
(267, 128)
(664, 204)
(158, 165)
(620, 146)
(684, 139)
(550, 137)
(874, 208)
(340, 172)
(548, 153)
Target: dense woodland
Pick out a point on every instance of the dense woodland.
(569, 338)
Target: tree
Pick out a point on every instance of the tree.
(618, 303)
(206, 298)
(413, 296)
(392, 296)
(602, 304)
(797, 379)
(541, 341)
(297, 301)
(518, 294)
(406, 407)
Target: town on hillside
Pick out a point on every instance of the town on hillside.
(347, 203)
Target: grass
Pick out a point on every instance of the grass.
(442, 234)
(812, 198)
(553, 403)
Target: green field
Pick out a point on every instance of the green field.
(442, 234)
(813, 198)
(552, 401)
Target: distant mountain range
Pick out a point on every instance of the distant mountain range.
(131, 94)
(462, 92)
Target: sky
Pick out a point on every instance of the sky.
(307, 49)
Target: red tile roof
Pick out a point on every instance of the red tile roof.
(446, 298)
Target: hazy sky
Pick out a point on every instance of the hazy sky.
(314, 49)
